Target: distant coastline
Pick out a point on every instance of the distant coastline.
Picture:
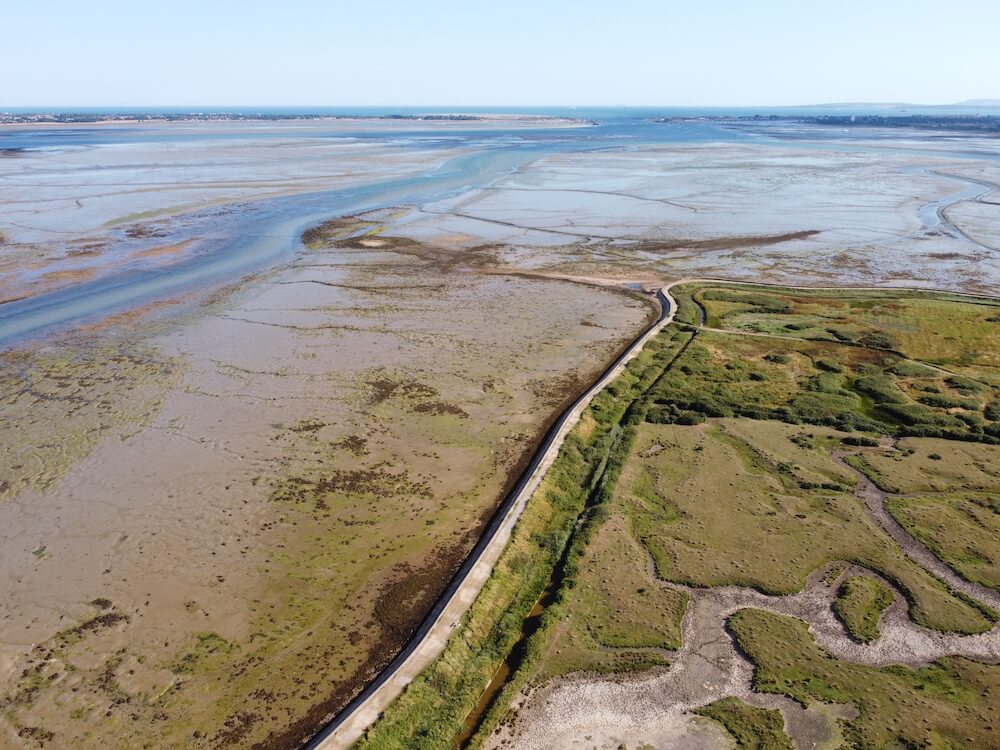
(128, 117)
(987, 124)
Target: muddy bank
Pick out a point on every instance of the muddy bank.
(282, 508)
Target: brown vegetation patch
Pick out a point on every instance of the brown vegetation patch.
(307, 425)
(439, 408)
(101, 622)
(352, 443)
(399, 611)
(726, 243)
(384, 388)
(144, 231)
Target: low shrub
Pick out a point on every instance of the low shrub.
(828, 365)
(860, 440)
(880, 389)
(943, 401)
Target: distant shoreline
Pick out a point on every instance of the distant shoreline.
(985, 124)
(133, 118)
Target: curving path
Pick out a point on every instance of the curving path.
(430, 639)
(655, 707)
(707, 667)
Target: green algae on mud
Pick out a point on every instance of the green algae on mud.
(59, 401)
(302, 500)
(435, 706)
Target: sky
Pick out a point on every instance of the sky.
(469, 52)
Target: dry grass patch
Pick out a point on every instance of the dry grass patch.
(933, 465)
(961, 529)
(719, 514)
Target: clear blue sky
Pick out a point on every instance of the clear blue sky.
(468, 52)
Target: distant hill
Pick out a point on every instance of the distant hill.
(860, 105)
(979, 103)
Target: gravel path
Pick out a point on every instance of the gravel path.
(654, 707)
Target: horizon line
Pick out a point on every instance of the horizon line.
(985, 101)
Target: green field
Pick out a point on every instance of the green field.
(752, 728)
(860, 603)
(944, 705)
(719, 460)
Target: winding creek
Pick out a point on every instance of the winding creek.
(266, 233)
(654, 707)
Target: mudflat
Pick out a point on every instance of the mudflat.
(224, 509)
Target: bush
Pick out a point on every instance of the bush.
(845, 336)
(948, 402)
(825, 382)
(914, 414)
(831, 486)
(671, 414)
(880, 388)
(780, 359)
(911, 370)
(819, 407)
(827, 366)
(964, 385)
(860, 440)
(974, 421)
(992, 411)
(876, 340)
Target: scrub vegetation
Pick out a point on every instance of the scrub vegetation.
(944, 704)
(860, 603)
(753, 728)
(721, 459)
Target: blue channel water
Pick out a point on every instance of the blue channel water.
(250, 240)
